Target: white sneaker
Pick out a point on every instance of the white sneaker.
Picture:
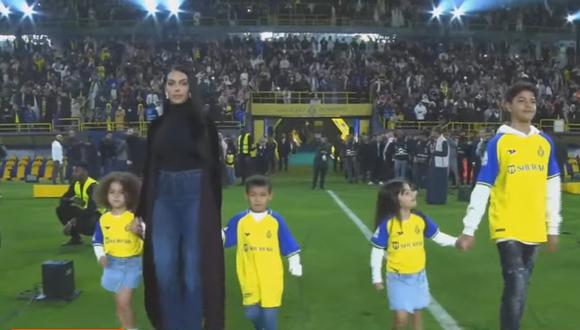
(381, 183)
(371, 183)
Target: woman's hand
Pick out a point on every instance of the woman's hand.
(137, 226)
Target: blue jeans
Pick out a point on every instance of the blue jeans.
(400, 168)
(262, 318)
(176, 249)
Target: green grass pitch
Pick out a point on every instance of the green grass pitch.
(335, 291)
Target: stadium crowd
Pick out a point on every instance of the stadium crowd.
(121, 81)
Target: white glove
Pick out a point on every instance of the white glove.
(294, 265)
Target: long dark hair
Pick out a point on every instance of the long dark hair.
(388, 200)
(194, 98)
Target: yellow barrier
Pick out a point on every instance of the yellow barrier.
(49, 190)
(571, 187)
(48, 167)
(22, 164)
(36, 165)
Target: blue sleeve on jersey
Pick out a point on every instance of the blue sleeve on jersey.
(553, 167)
(231, 231)
(431, 227)
(490, 163)
(288, 245)
(381, 236)
(98, 235)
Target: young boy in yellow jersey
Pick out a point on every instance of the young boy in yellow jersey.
(521, 178)
(117, 244)
(262, 237)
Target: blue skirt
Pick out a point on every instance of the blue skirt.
(408, 292)
(122, 273)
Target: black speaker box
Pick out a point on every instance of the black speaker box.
(58, 280)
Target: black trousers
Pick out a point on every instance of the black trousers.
(517, 263)
(57, 170)
(271, 164)
(420, 174)
(283, 163)
(319, 173)
(85, 220)
(245, 165)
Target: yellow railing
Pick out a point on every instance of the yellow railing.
(67, 124)
(573, 128)
(416, 125)
(26, 127)
(548, 124)
(470, 127)
(309, 97)
(77, 125)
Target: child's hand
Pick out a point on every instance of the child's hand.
(294, 265)
(553, 241)
(379, 286)
(103, 261)
(296, 270)
(465, 242)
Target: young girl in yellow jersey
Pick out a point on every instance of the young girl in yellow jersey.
(116, 242)
(400, 232)
(262, 237)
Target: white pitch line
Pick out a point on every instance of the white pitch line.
(445, 320)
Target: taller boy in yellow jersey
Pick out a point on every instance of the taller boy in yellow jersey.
(261, 236)
(521, 178)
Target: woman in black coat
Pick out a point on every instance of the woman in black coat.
(180, 205)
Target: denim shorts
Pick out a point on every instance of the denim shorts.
(122, 273)
(408, 292)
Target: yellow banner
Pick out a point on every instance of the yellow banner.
(311, 110)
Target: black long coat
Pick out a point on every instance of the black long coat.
(212, 262)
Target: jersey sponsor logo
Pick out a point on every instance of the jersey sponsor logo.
(513, 169)
(499, 230)
(250, 248)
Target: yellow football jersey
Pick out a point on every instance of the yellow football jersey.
(404, 241)
(112, 232)
(517, 169)
(260, 245)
